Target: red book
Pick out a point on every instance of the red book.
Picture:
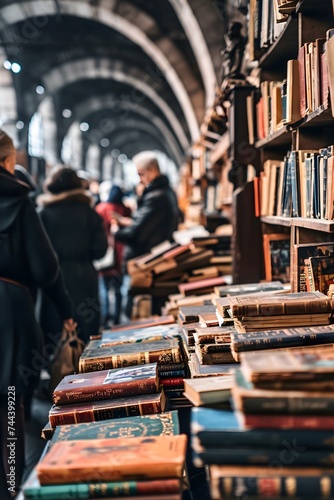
(310, 422)
(197, 287)
(302, 83)
(107, 384)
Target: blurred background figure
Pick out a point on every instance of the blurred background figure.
(77, 234)
(112, 278)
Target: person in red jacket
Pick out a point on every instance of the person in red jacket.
(113, 276)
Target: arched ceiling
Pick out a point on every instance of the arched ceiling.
(156, 60)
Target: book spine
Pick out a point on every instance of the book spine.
(170, 367)
(98, 414)
(105, 391)
(172, 382)
(303, 486)
(261, 343)
(292, 406)
(309, 422)
(169, 374)
(285, 455)
(297, 307)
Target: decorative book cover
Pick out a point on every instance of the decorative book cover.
(33, 490)
(290, 337)
(160, 424)
(161, 332)
(114, 459)
(145, 404)
(221, 429)
(297, 364)
(305, 251)
(290, 303)
(105, 384)
(95, 358)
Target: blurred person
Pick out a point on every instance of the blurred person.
(156, 217)
(112, 277)
(77, 234)
(27, 261)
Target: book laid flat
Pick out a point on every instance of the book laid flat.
(160, 424)
(190, 314)
(94, 358)
(198, 370)
(290, 337)
(207, 335)
(224, 291)
(248, 399)
(114, 459)
(77, 413)
(144, 323)
(308, 422)
(212, 354)
(297, 364)
(221, 429)
(208, 390)
(289, 303)
(105, 384)
(33, 490)
(256, 482)
(167, 332)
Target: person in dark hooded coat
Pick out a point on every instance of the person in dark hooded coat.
(77, 234)
(27, 261)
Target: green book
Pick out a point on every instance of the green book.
(145, 425)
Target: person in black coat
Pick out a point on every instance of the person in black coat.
(155, 219)
(77, 234)
(27, 261)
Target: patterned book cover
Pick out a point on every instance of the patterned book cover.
(290, 303)
(145, 404)
(105, 384)
(33, 490)
(160, 424)
(114, 459)
(289, 337)
(167, 332)
(95, 358)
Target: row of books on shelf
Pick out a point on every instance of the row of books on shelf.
(299, 186)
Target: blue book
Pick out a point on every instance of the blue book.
(221, 429)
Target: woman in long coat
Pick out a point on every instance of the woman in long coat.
(27, 261)
(77, 234)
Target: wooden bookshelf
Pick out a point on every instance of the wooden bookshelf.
(279, 138)
(277, 221)
(285, 46)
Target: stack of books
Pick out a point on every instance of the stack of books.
(279, 440)
(169, 264)
(99, 462)
(269, 310)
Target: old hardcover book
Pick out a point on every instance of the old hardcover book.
(208, 335)
(145, 404)
(144, 323)
(308, 348)
(190, 314)
(33, 489)
(209, 320)
(307, 422)
(114, 459)
(161, 332)
(214, 353)
(94, 358)
(249, 399)
(221, 429)
(290, 337)
(303, 251)
(295, 365)
(201, 286)
(258, 323)
(208, 390)
(197, 370)
(160, 424)
(226, 481)
(105, 384)
(281, 304)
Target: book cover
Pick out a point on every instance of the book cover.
(221, 429)
(290, 337)
(114, 459)
(95, 358)
(249, 399)
(303, 251)
(145, 404)
(290, 303)
(256, 482)
(160, 424)
(299, 422)
(167, 332)
(208, 390)
(105, 384)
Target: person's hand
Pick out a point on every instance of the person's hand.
(70, 324)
